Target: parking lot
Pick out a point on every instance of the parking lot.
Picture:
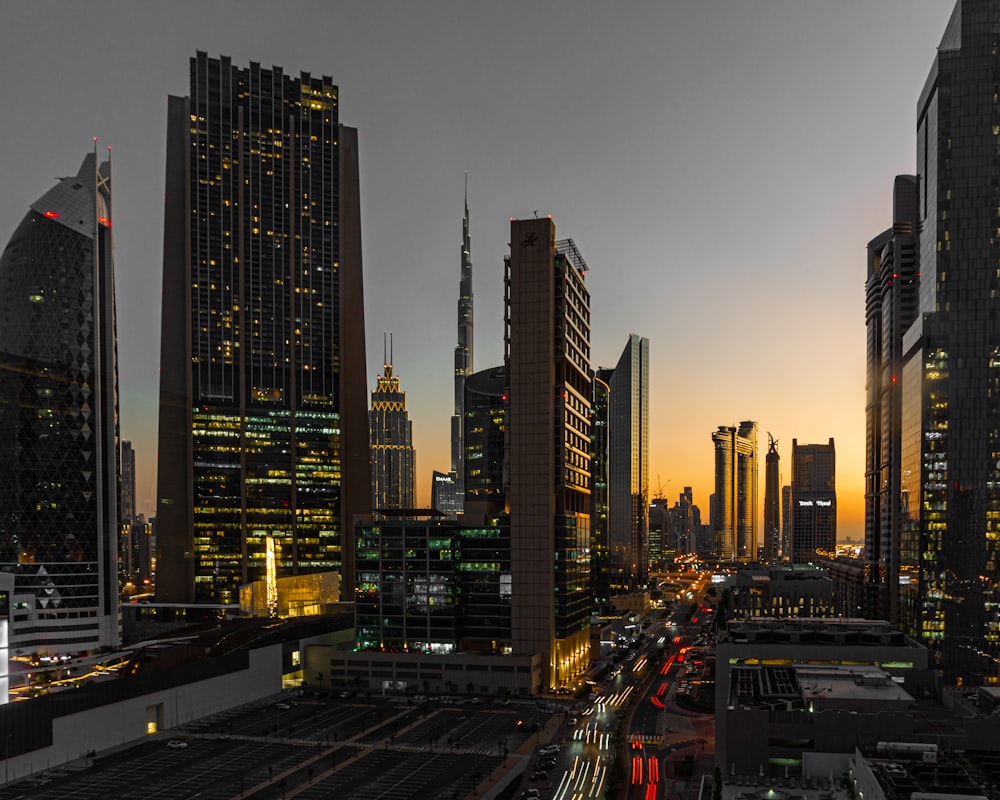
(310, 748)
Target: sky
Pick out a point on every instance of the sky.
(721, 166)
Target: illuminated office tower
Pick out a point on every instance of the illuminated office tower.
(549, 389)
(772, 502)
(814, 502)
(59, 419)
(391, 432)
(734, 516)
(628, 463)
(948, 379)
(263, 437)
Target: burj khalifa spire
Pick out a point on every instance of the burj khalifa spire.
(463, 352)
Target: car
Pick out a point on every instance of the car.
(572, 721)
(532, 792)
(541, 775)
(223, 737)
(549, 750)
(177, 744)
(345, 695)
(282, 706)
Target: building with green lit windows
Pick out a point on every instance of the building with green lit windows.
(263, 429)
(433, 586)
(933, 406)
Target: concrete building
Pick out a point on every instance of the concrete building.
(59, 443)
(263, 430)
(784, 687)
(756, 590)
(548, 436)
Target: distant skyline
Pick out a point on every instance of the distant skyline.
(720, 165)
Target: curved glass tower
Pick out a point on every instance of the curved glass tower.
(59, 418)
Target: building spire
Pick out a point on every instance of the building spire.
(463, 349)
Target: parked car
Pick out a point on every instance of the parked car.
(177, 744)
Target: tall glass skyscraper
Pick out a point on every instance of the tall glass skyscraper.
(59, 419)
(263, 441)
(628, 464)
(946, 544)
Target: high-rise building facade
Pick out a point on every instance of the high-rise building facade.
(463, 351)
(483, 432)
(59, 444)
(603, 577)
(548, 373)
(127, 547)
(263, 434)
(391, 432)
(813, 502)
(444, 494)
(947, 591)
(772, 502)
(734, 516)
(628, 462)
(891, 305)
(433, 586)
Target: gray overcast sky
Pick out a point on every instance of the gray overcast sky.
(721, 165)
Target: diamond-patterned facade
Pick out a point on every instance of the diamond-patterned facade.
(58, 440)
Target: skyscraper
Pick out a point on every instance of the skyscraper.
(814, 501)
(772, 502)
(890, 309)
(463, 351)
(548, 372)
(603, 577)
(628, 461)
(734, 517)
(59, 419)
(391, 432)
(263, 439)
(127, 546)
(483, 431)
(948, 377)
